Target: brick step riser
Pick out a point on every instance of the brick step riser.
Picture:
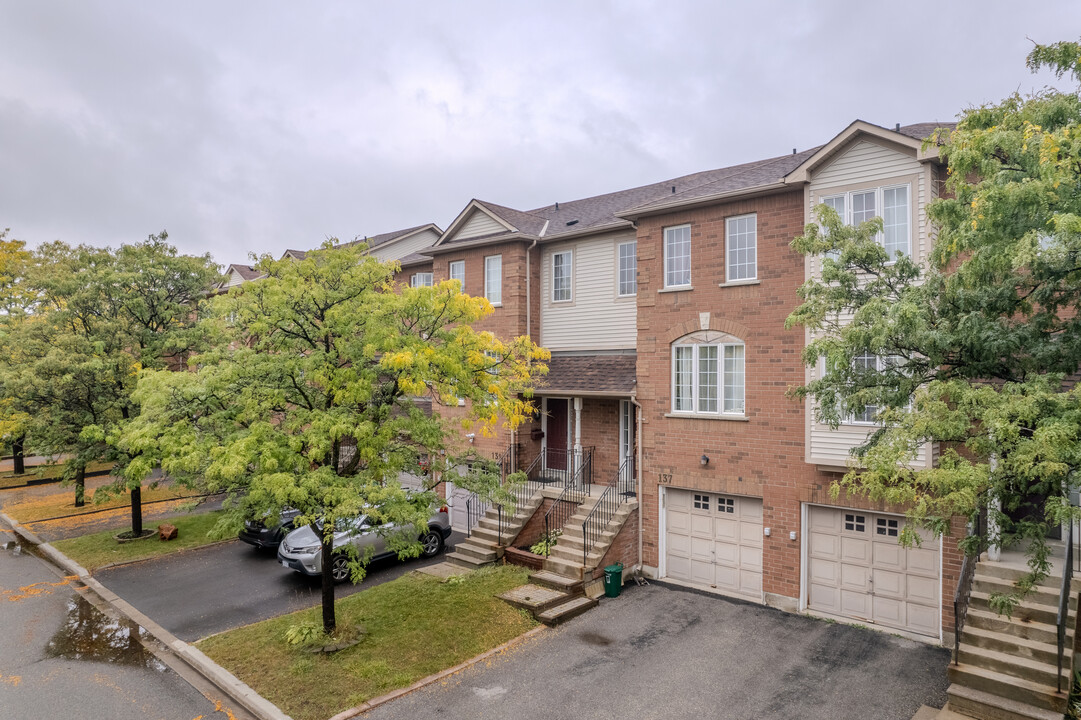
(986, 711)
(573, 589)
(1040, 633)
(564, 617)
(1006, 689)
(1044, 653)
(1044, 674)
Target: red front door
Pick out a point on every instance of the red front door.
(556, 435)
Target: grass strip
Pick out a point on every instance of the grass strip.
(63, 504)
(98, 549)
(417, 625)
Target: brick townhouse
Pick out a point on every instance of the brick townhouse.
(664, 309)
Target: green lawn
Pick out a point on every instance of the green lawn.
(62, 504)
(98, 549)
(417, 625)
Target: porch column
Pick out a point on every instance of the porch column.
(577, 433)
(994, 504)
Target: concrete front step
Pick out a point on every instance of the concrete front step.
(535, 598)
(483, 553)
(1007, 686)
(485, 534)
(466, 561)
(556, 581)
(1025, 668)
(978, 704)
(1040, 595)
(564, 567)
(1022, 613)
(1012, 573)
(980, 617)
(566, 610)
(1038, 650)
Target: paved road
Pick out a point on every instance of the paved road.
(62, 658)
(201, 592)
(664, 653)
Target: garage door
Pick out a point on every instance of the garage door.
(715, 541)
(856, 570)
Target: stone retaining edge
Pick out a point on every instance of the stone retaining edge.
(218, 676)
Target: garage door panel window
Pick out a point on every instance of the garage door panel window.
(887, 527)
(855, 523)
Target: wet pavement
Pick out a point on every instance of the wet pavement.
(62, 657)
(116, 519)
(208, 590)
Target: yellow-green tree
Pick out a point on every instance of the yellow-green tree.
(316, 395)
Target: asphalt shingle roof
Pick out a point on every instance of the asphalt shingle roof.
(613, 374)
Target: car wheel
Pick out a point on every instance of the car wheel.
(339, 568)
(433, 544)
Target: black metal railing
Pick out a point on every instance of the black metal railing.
(1064, 600)
(607, 506)
(563, 508)
(475, 509)
(963, 593)
(559, 467)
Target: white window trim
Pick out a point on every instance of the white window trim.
(728, 249)
(690, 278)
(879, 207)
(570, 276)
(450, 272)
(619, 269)
(415, 280)
(487, 287)
(694, 411)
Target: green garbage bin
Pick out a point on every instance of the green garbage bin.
(613, 580)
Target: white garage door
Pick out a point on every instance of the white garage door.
(856, 569)
(715, 541)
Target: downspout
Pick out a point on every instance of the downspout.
(528, 318)
(638, 473)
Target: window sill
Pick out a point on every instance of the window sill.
(680, 288)
(738, 283)
(495, 305)
(703, 416)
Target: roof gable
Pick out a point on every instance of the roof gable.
(904, 140)
(476, 220)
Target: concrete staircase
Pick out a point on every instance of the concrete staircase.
(566, 556)
(485, 545)
(1007, 666)
(552, 598)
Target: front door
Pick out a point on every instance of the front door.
(556, 434)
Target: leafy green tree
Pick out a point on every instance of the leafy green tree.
(70, 366)
(15, 300)
(982, 344)
(317, 392)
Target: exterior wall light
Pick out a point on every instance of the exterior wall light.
(705, 460)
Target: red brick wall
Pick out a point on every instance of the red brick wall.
(624, 548)
(533, 530)
(600, 429)
(764, 455)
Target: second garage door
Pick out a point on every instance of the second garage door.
(715, 541)
(856, 569)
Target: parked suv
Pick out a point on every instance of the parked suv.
(301, 549)
(269, 533)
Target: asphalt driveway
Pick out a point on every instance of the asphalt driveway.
(658, 652)
(200, 592)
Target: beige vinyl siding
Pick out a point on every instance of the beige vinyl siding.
(866, 164)
(595, 318)
(479, 224)
(398, 249)
(234, 279)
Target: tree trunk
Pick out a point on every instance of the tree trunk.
(137, 511)
(329, 623)
(80, 486)
(17, 455)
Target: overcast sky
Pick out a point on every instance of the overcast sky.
(254, 127)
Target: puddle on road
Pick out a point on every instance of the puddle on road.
(595, 638)
(89, 634)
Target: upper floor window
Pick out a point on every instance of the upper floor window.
(708, 375)
(421, 280)
(493, 279)
(628, 268)
(741, 248)
(677, 256)
(889, 203)
(456, 271)
(562, 275)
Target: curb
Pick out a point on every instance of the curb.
(221, 678)
(395, 694)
